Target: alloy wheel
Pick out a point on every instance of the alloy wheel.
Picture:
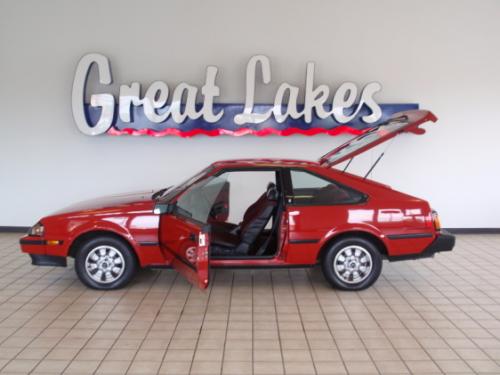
(105, 264)
(353, 264)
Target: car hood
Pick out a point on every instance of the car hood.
(112, 201)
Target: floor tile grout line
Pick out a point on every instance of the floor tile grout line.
(457, 274)
(44, 274)
(483, 280)
(446, 266)
(203, 322)
(157, 279)
(104, 321)
(451, 321)
(385, 334)
(128, 321)
(357, 331)
(464, 296)
(47, 270)
(301, 320)
(177, 279)
(76, 323)
(53, 320)
(47, 304)
(325, 317)
(339, 295)
(16, 250)
(21, 265)
(111, 311)
(277, 320)
(54, 269)
(425, 320)
(228, 320)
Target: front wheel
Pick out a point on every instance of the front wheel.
(105, 263)
(352, 264)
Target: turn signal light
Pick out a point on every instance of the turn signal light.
(435, 220)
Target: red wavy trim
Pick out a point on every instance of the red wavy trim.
(243, 131)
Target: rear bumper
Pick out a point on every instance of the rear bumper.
(444, 241)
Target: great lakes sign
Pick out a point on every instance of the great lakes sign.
(346, 109)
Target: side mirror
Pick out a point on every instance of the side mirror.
(163, 208)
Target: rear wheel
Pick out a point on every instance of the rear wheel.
(105, 263)
(352, 263)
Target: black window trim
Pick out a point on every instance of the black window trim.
(289, 189)
(279, 175)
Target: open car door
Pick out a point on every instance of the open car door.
(402, 122)
(184, 228)
(186, 244)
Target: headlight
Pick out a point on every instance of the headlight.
(37, 230)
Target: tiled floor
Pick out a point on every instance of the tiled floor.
(432, 316)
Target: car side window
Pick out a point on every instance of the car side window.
(197, 201)
(310, 189)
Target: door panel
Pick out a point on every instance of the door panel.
(308, 226)
(186, 243)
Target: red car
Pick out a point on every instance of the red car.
(250, 213)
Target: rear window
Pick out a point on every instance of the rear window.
(371, 136)
(310, 189)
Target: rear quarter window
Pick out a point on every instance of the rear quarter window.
(311, 189)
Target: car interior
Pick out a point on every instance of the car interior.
(256, 235)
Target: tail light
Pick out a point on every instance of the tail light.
(435, 220)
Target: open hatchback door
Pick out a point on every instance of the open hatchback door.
(402, 122)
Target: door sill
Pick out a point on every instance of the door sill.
(243, 257)
(259, 266)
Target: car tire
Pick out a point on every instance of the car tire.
(352, 263)
(105, 263)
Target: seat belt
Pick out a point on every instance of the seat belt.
(263, 248)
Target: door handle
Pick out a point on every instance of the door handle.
(390, 211)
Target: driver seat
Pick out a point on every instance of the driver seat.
(254, 221)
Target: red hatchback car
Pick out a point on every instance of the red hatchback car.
(250, 213)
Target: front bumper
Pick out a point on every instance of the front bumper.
(37, 248)
(444, 241)
(48, 260)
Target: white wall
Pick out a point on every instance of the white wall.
(441, 54)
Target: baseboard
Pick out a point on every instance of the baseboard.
(473, 230)
(7, 229)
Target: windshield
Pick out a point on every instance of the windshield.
(197, 201)
(370, 137)
(170, 192)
